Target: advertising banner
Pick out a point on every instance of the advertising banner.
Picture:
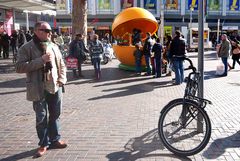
(213, 5)
(193, 4)
(172, 4)
(150, 4)
(233, 5)
(126, 3)
(8, 21)
(61, 4)
(104, 4)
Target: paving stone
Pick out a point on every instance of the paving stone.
(116, 118)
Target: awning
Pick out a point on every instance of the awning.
(30, 5)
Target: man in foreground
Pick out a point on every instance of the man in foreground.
(42, 62)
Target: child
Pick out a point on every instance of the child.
(138, 56)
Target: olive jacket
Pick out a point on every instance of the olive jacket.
(30, 62)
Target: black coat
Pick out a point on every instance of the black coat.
(157, 49)
(177, 47)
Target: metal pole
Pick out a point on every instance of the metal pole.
(218, 26)
(190, 26)
(162, 21)
(200, 55)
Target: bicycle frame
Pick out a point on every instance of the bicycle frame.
(191, 89)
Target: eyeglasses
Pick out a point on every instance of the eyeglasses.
(46, 30)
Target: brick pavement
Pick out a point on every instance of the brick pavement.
(116, 118)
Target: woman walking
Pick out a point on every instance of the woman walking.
(235, 52)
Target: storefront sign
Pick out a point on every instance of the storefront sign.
(230, 28)
(172, 4)
(126, 4)
(150, 4)
(103, 28)
(233, 5)
(214, 5)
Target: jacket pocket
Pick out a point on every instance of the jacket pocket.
(35, 91)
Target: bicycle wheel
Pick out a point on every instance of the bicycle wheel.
(184, 138)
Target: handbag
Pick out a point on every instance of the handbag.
(220, 68)
(71, 62)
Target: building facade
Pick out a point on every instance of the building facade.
(178, 14)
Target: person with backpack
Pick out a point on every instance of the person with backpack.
(77, 50)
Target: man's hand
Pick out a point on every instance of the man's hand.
(60, 84)
(47, 57)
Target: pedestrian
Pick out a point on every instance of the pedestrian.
(166, 55)
(44, 85)
(5, 44)
(77, 50)
(1, 45)
(235, 51)
(21, 38)
(136, 36)
(224, 53)
(157, 50)
(138, 58)
(28, 36)
(147, 47)
(152, 58)
(13, 42)
(177, 54)
(96, 51)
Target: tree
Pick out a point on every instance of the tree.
(79, 17)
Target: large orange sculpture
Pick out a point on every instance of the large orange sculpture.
(122, 27)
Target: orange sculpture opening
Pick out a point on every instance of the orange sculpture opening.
(122, 27)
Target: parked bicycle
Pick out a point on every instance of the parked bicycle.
(184, 126)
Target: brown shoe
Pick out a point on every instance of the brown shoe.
(58, 145)
(41, 151)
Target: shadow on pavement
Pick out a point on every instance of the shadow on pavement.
(12, 92)
(133, 89)
(219, 146)
(108, 74)
(20, 156)
(141, 147)
(211, 75)
(17, 83)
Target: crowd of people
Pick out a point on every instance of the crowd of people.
(168, 57)
(161, 58)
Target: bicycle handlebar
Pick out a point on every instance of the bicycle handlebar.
(191, 65)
